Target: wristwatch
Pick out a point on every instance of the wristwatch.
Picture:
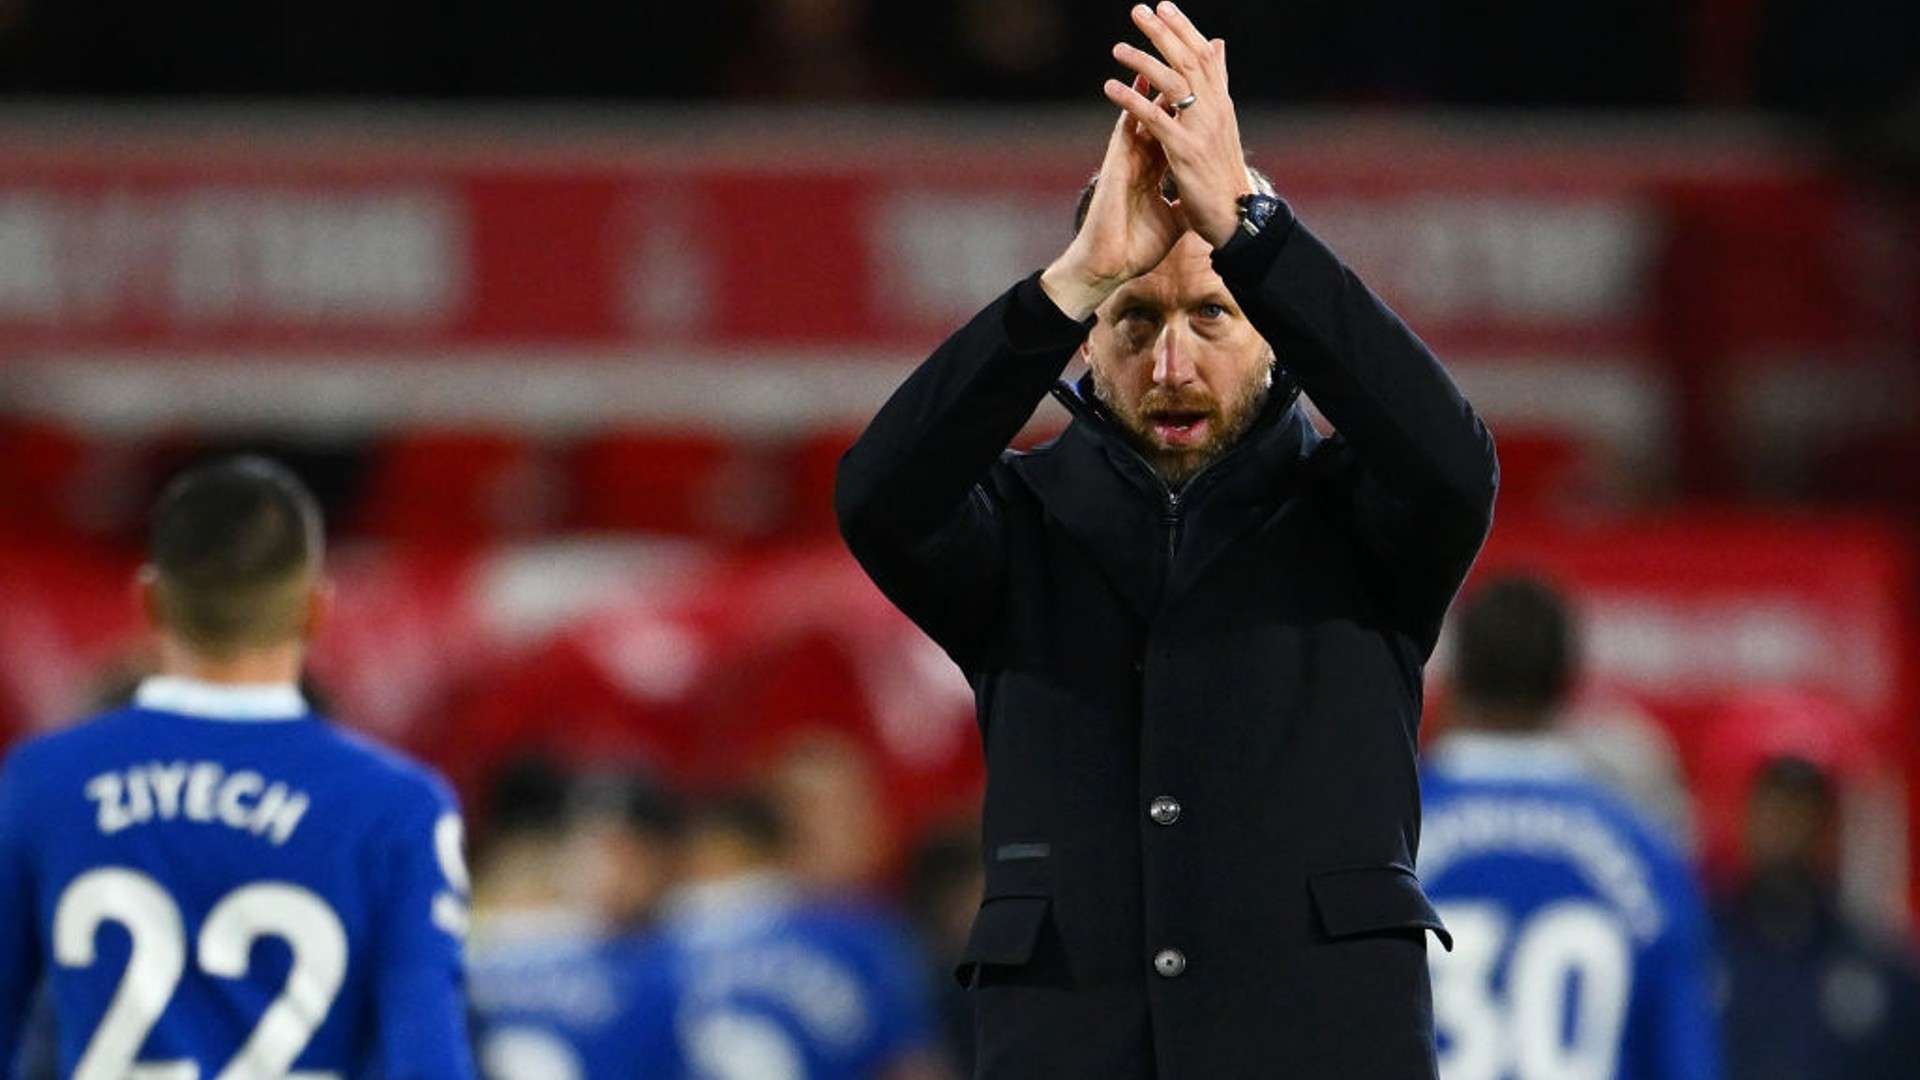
(1255, 211)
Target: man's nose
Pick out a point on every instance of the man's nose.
(1172, 359)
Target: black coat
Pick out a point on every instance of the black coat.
(1251, 648)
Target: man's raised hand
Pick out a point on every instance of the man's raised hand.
(1129, 227)
(1201, 142)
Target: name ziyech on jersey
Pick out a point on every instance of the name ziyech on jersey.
(202, 791)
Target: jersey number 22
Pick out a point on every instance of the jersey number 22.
(159, 957)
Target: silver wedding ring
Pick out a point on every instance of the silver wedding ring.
(1185, 103)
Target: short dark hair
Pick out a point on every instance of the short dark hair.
(1262, 183)
(527, 793)
(1795, 777)
(635, 798)
(235, 543)
(1515, 646)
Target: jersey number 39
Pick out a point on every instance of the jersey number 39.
(159, 957)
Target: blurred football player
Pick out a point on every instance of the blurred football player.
(826, 791)
(944, 889)
(622, 828)
(753, 980)
(1808, 993)
(1580, 937)
(519, 868)
(215, 882)
(569, 866)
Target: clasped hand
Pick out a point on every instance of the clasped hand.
(1176, 120)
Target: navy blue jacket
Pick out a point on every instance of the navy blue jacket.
(1250, 647)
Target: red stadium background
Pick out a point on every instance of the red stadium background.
(600, 374)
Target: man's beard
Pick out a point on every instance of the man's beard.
(1225, 421)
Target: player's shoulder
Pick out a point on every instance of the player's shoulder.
(373, 764)
(648, 952)
(1574, 794)
(849, 913)
(1635, 827)
(859, 926)
(1614, 805)
(647, 965)
(648, 970)
(52, 754)
(1537, 768)
(1494, 787)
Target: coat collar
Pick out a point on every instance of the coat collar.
(1109, 499)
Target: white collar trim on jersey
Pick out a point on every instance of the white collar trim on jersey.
(736, 906)
(1484, 755)
(241, 702)
(548, 930)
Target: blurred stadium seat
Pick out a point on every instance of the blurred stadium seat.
(1545, 472)
(459, 487)
(675, 483)
(811, 463)
(60, 486)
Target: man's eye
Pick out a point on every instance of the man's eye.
(1138, 314)
(1213, 311)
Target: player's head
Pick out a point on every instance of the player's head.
(1175, 360)
(944, 883)
(1791, 816)
(1515, 654)
(827, 792)
(233, 560)
(518, 862)
(622, 829)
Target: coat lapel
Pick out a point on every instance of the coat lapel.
(1110, 516)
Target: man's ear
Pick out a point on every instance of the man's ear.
(320, 600)
(146, 597)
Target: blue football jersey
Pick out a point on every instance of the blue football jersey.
(747, 981)
(552, 999)
(1580, 939)
(217, 884)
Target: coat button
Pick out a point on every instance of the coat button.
(1164, 810)
(1169, 962)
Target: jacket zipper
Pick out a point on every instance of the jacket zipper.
(1170, 499)
(1170, 517)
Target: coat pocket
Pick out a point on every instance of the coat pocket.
(1004, 935)
(1011, 915)
(1373, 899)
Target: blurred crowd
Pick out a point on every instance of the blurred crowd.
(592, 885)
(1848, 68)
(1797, 54)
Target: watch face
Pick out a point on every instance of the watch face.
(1256, 210)
(1259, 210)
